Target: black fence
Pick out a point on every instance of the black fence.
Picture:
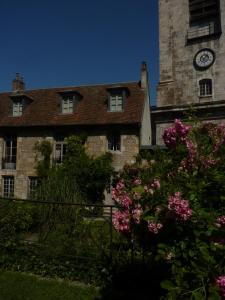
(60, 239)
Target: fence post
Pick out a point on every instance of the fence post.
(111, 229)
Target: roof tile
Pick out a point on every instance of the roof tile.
(91, 109)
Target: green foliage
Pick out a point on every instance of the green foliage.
(17, 286)
(16, 219)
(44, 150)
(54, 240)
(191, 249)
(91, 174)
(80, 177)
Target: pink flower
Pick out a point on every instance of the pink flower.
(121, 221)
(124, 200)
(155, 184)
(137, 181)
(137, 196)
(176, 133)
(120, 185)
(136, 214)
(209, 162)
(154, 227)
(220, 282)
(179, 207)
(120, 196)
(148, 190)
(221, 221)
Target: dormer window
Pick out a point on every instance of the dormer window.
(17, 108)
(69, 100)
(116, 99)
(20, 101)
(67, 104)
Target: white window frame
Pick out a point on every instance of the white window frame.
(205, 87)
(60, 151)
(68, 104)
(116, 102)
(8, 186)
(33, 183)
(17, 108)
(10, 152)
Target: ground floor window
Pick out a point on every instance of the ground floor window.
(114, 142)
(8, 186)
(34, 182)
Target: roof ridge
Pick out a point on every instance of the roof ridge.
(74, 86)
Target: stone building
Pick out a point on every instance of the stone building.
(115, 117)
(192, 62)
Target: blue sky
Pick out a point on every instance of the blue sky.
(77, 42)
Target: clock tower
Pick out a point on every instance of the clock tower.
(192, 52)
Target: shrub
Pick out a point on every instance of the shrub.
(173, 207)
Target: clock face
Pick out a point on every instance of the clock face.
(204, 58)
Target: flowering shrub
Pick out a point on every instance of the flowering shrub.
(173, 208)
(179, 207)
(220, 281)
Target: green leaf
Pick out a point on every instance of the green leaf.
(167, 285)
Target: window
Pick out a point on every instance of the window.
(116, 102)
(17, 108)
(114, 142)
(9, 160)
(204, 18)
(34, 182)
(8, 186)
(116, 98)
(205, 87)
(201, 10)
(60, 150)
(67, 104)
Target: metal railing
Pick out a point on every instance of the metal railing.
(9, 164)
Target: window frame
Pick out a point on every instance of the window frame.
(118, 93)
(205, 86)
(17, 108)
(62, 144)
(67, 104)
(32, 190)
(202, 11)
(8, 186)
(204, 20)
(114, 142)
(10, 152)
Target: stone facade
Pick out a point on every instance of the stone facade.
(179, 43)
(130, 143)
(114, 117)
(182, 37)
(96, 145)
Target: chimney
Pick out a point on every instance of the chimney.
(144, 75)
(18, 83)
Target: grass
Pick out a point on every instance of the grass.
(20, 286)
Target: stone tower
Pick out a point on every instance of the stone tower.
(192, 51)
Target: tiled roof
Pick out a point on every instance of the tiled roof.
(44, 107)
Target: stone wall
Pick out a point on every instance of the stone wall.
(179, 79)
(96, 145)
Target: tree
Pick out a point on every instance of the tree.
(79, 174)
